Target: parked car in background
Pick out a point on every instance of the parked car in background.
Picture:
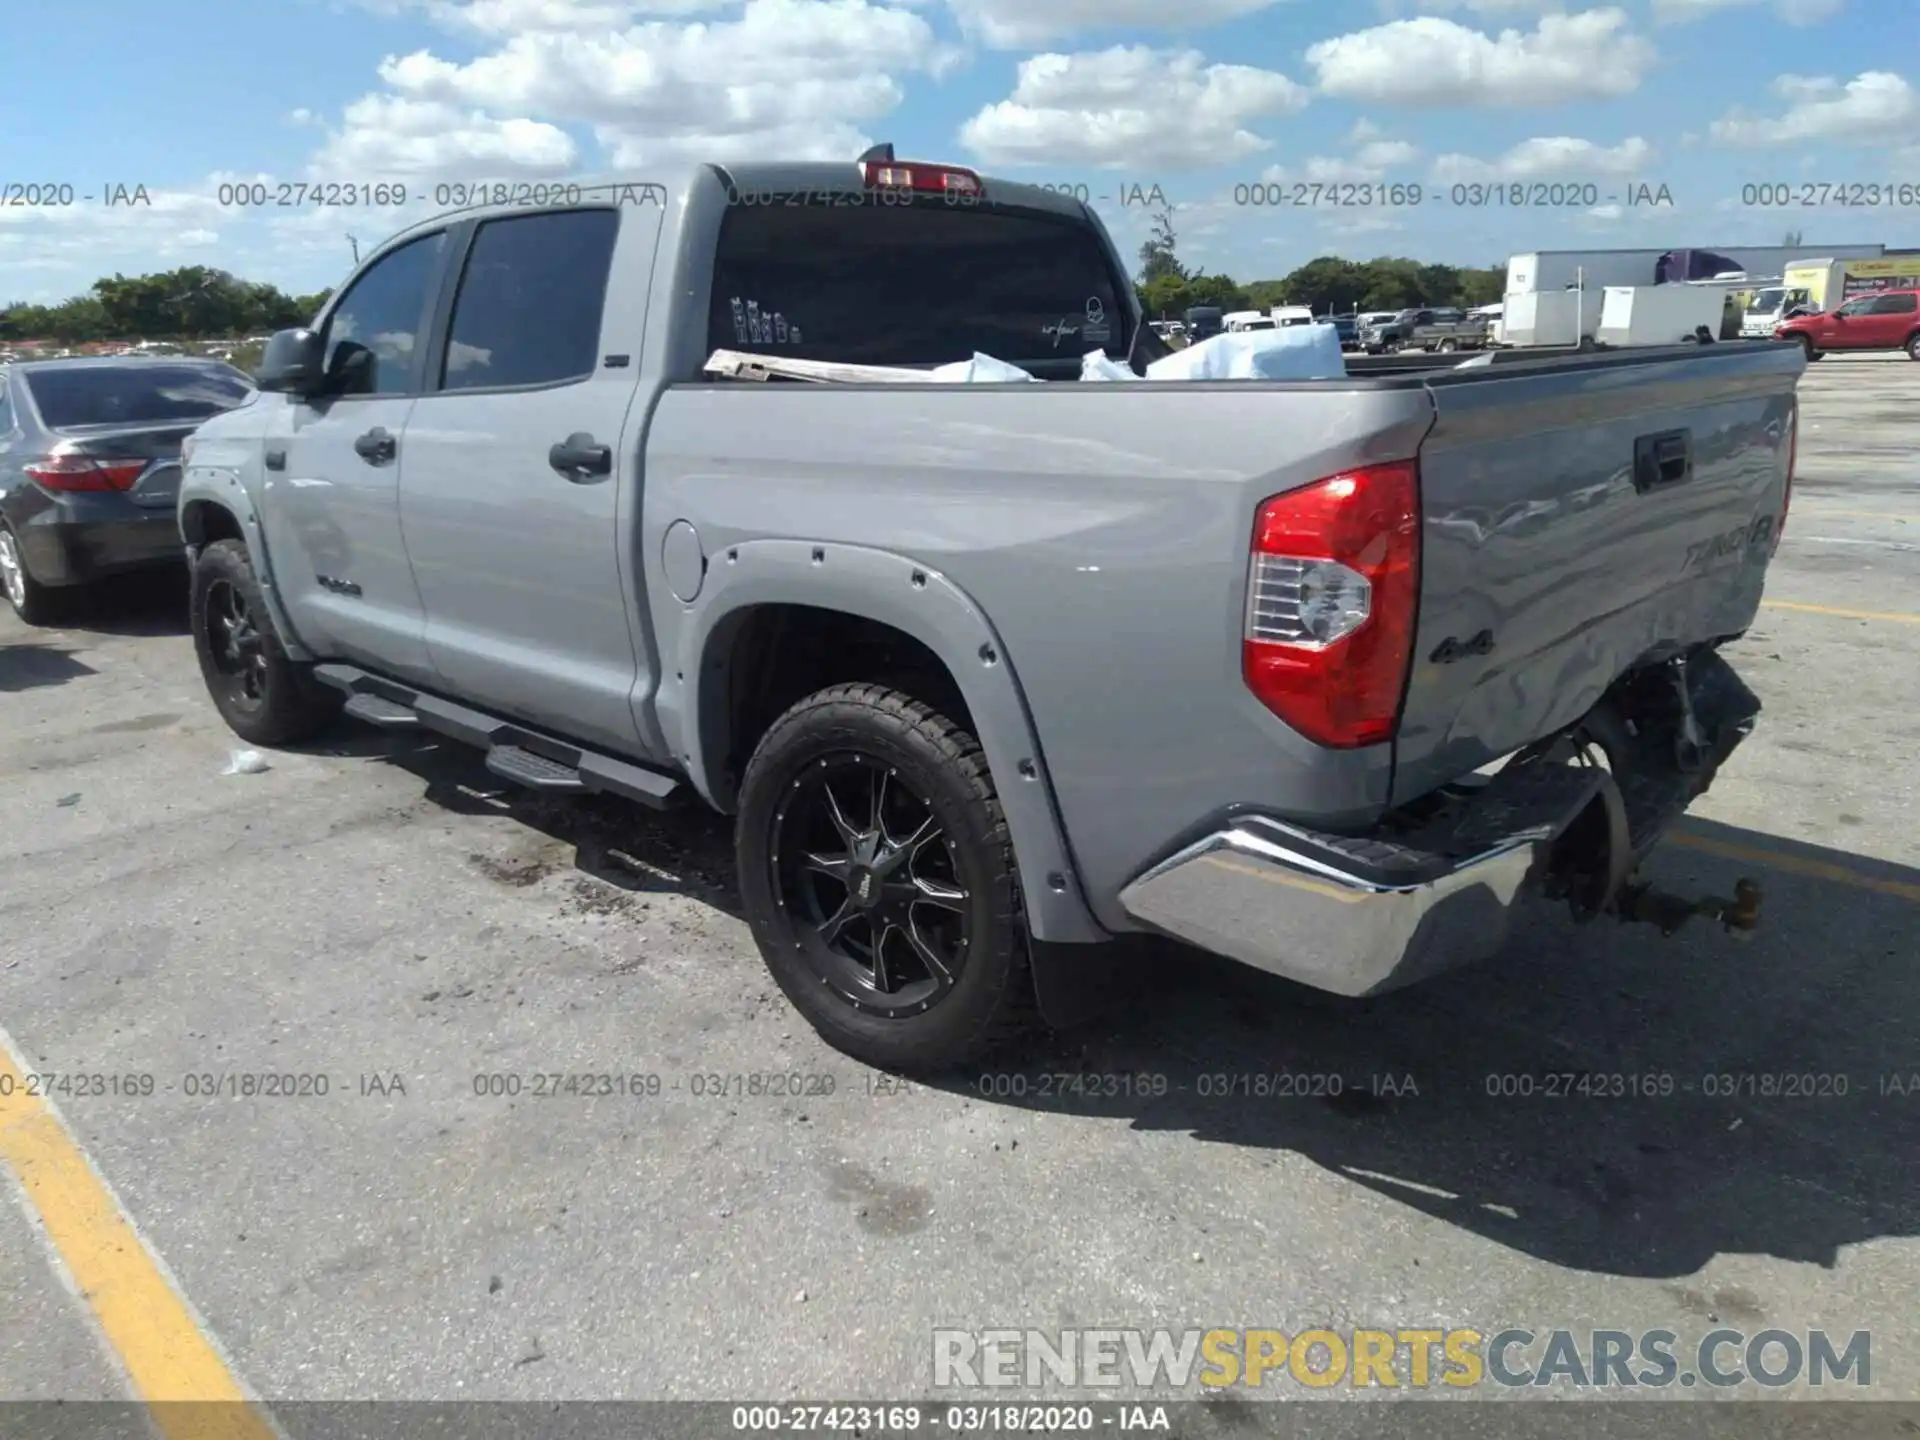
(1425, 329)
(1205, 321)
(1885, 320)
(89, 468)
(1347, 327)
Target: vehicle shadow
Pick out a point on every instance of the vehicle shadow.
(32, 665)
(643, 852)
(1597, 1097)
(141, 602)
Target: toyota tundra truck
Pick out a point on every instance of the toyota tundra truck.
(1330, 677)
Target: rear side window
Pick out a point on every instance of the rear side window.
(1896, 304)
(913, 284)
(528, 311)
(135, 394)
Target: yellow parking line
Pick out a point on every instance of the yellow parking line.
(161, 1346)
(1796, 865)
(1834, 610)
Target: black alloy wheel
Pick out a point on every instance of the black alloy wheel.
(235, 645)
(873, 885)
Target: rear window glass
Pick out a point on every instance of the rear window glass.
(131, 395)
(918, 284)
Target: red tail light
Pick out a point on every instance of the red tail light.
(82, 472)
(1793, 458)
(914, 175)
(1332, 592)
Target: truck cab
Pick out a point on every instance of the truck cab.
(1770, 306)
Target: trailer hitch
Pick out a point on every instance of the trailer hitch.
(1640, 902)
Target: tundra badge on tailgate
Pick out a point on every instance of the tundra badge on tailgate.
(1703, 553)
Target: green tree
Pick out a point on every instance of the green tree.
(1158, 260)
(1166, 297)
(1218, 290)
(1326, 283)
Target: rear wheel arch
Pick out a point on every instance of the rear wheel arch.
(770, 603)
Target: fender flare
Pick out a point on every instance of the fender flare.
(221, 488)
(918, 600)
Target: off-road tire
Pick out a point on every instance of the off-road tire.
(36, 604)
(991, 1001)
(293, 706)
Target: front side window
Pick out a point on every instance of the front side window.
(375, 331)
(528, 311)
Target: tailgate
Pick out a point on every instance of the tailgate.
(1582, 516)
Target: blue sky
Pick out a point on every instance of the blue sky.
(1579, 104)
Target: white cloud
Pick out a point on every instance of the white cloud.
(1809, 12)
(1609, 211)
(386, 135)
(793, 79)
(1432, 61)
(1793, 12)
(1372, 160)
(518, 17)
(1798, 89)
(1494, 8)
(1876, 106)
(1130, 106)
(1015, 24)
(1550, 155)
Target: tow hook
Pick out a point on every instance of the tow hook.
(1643, 903)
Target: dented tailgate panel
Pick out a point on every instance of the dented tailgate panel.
(1578, 523)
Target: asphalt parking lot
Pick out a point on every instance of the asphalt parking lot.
(373, 912)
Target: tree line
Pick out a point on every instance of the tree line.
(199, 303)
(191, 303)
(1327, 283)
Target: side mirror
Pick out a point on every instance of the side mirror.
(293, 363)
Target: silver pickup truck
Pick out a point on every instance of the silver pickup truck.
(1327, 676)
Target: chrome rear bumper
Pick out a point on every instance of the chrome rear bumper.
(1266, 894)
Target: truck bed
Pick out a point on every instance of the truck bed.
(1103, 530)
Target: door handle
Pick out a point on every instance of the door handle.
(1663, 459)
(579, 455)
(276, 459)
(377, 445)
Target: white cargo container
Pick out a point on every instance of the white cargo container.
(1659, 314)
(1548, 317)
